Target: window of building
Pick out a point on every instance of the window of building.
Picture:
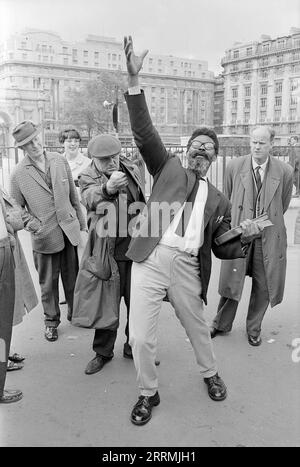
(109, 56)
(262, 116)
(280, 58)
(264, 73)
(236, 54)
(278, 101)
(45, 58)
(281, 43)
(44, 48)
(292, 128)
(74, 61)
(293, 101)
(277, 115)
(24, 56)
(233, 118)
(264, 89)
(114, 57)
(234, 93)
(234, 106)
(171, 63)
(248, 64)
(297, 42)
(159, 62)
(96, 55)
(74, 52)
(278, 87)
(150, 61)
(247, 91)
(246, 117)
(85, 53)
(293, 114)
(266, 47)
(294, 83)
(265, 61)
(247, 104)
(249, 51)
(65, 50)
(235, 67)
(263, 102)
(23, 45)
(295, 68)
(66, 60)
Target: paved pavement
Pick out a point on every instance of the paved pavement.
(64, 407)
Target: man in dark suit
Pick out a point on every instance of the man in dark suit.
(171, 251)
(7, 301)
(42, 184)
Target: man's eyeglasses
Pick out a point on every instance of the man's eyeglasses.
(198, 145)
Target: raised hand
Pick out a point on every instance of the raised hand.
(116, 182)
(134, 62)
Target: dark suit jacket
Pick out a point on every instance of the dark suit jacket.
(172, 183)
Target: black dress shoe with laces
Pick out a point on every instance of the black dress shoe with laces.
(216, 388)
(96, 364)
(255, 341)
(142, 411)
(214, 332)
(127, 351)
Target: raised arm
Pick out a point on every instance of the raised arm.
(145, 135)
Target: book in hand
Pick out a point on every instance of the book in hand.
(262, 220)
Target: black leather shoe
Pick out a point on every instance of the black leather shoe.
(214, 332)
(69, 314)
(255, 341)
(96, 364)
(127, 351)
(216, 388)
(51, 334)
(10, 396)
(142, 411)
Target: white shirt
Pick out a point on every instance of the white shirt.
(263, 168)
(193, 238)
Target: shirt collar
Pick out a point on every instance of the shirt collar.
(263, 166)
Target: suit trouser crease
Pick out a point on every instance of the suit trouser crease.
(167, 270)
(7, 300)
(49, 266)
(104, 339)
(258, 303)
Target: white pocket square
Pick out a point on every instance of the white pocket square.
(219, 219)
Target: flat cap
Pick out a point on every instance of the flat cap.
(103, 146)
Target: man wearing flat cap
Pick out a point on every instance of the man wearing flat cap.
(111, 183)
(43, 186)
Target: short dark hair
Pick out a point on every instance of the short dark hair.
(68, 133)
(204, 130)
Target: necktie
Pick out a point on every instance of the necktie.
(258, 185)
(258, 178)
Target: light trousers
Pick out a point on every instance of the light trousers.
(177, 273)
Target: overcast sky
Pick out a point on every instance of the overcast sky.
(201, 29)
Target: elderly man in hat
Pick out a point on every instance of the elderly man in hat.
(42, 184)
(110, 183)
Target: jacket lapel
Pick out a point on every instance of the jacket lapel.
(213, 199)
(247, 180)
(53, 168)
(34, 173)
(272, 183)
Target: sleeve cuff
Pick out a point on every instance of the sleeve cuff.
(134, 90)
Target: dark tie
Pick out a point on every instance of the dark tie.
(186, 214)
(258, 185)
(258, 178)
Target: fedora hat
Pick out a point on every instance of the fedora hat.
(25, 132)
(103, 146)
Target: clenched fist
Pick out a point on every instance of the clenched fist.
(117, 181)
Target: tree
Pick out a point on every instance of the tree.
(84, 107)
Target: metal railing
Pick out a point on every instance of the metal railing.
(10, 156)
